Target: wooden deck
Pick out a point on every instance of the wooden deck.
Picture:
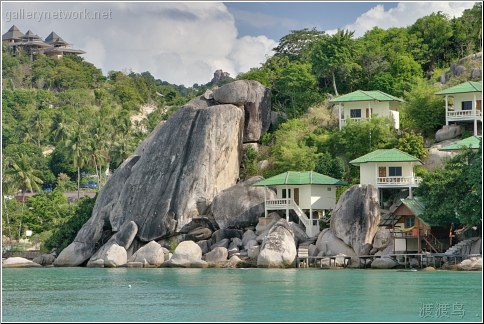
(424, 259)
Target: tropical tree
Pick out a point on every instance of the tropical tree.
(77, 146)
(335, 55)
(22, 176)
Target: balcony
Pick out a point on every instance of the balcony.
(344, 121)
(396, 182)
(463, 115)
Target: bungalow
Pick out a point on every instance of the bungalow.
(303, 192)
(360, 105)
(410, 233)
(472, 142)
(463, 104)
(388, 168)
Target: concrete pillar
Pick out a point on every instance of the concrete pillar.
(474, 104)
(446, 109)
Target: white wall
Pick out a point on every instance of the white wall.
(369, 171)
(400, 245)
(459, 97)
(380, 108)
(322, 198)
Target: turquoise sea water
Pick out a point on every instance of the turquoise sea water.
(194, 295)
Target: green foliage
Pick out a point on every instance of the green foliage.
(423, 112)
(65, 233)
(412, 143)
(249, 163)
(454, 193)
(45, 211)
(327, 165)
(297, 45)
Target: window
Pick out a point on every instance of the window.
(286, 194)
(466, 105)
(395, 171)
(329, 188)
(355, 113)
(409, 221)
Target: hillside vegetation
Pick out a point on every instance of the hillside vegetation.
(64, 120)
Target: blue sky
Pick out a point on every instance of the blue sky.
(185, 42)
(276, 19)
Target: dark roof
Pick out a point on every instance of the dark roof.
(300, 178)
(53, 38)
(13, 33)
(29, 34)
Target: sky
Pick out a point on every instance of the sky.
(185, 42)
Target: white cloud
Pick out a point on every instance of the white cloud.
(183, 43)
(405, 14)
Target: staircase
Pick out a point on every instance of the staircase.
(288, 203)
(462, 248)
(433, 243)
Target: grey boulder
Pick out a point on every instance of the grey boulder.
(186, 254)
(152, 254)
(278, 249)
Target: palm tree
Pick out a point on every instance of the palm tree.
(77, 145)
(23, 176)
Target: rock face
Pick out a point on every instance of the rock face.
(45, 259)
(382, 239)
(329, 245)
(177, 171)
(383, 263)
(356, 217)
(151, 254)
(256, 100)
(448, 132)
(186, 254)
(218, 254)
(17, 262)
(240, 206)
(278, 249)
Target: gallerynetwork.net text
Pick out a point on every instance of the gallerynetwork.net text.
(40, 15)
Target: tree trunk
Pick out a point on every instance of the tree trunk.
(8, 222)
(78, 183)
(334, 84)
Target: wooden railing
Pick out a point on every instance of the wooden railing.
(398, 180)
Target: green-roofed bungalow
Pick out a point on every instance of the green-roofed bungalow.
(471, 142)
(463, 104)
(411, 233)
(388, 168)
(306, 193)
(360, 105)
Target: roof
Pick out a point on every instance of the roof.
(472, 142)
(469, 86)
(64, 50)
(360, 95)
(385, 155)
(12, 33)
(30, 34)
(415, 205)
(54, 38)
(300, 178)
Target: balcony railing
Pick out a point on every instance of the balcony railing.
(463, 114)
(398, 181)
(344, 121)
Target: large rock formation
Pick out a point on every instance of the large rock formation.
(329, 245)
(278, 249)
(182, 165)
(17, 262)
(356, 217)
(240, 206)
(256, 100)
(448, 132)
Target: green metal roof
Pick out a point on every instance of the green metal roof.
(472, 142)
(416, 206)
(360, 95)
(300, 178)
(469, 86)
(385, 155)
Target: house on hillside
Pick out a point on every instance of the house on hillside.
(360, 105)
(463, 104)
(472, 142)
(410, 233)
(32, 44)
(305, 193)
(388, 168)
